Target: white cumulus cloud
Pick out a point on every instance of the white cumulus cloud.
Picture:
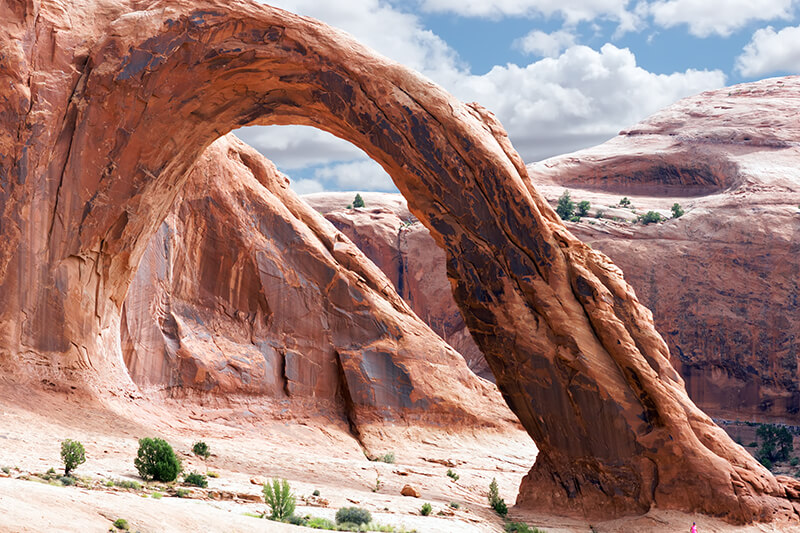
(769, 51)
(720, 17)
(575, 99)
(545, 44)
(357, 175)
(578, 99)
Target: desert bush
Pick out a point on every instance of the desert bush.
(766, 462)
(776, 443)
(583, 208)
(280, 499)
(354, 515)
(124, 483)
(315, 493)
(625, 202)
(452, 475)
(387, 458)
(157, 460)
(201, 449)
(67, 481)
(156, 495)
(677, 211)
(565, 207)
(794, 461)
(121, 523)
(320, 523)
(358, 201)
(650, 217)
(495, 501)
(426, 509)
(213, 474)
(72, 454)
(181, 493)
(197, 479)
(454, 505)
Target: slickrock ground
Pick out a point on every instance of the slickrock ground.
(110, 105)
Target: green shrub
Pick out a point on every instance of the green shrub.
(358, 201)
(354, 515)
(426, 509)
(297, 520)
(495, 501)
(583, 208)
(565, 207)
(625, 202)
(576, 218)
(752, 444)
(213, 474)
(387, 458)
(320, 523)
(677, 212)
(156, 495)
(124, 483)
(51, 470)
(157, 460)
(67, 481)
(600, 213)
(650, 217)
(121, 523)
(280, 499)
(72, 454)
(452, 475)
(794, 461)
(776, 443)
(454, 505)
(181, 493)
(766, 462)
(201, 449)
(197, 479)
(315, 493)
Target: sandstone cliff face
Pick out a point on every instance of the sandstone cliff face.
(107, 112)
(403, 249)
(244, 289)
(722, 280)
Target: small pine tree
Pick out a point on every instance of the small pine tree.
(201, 449)
(280, 499)
(358, 201)
(677, 211)
(72, 454)
(157, 460)
(565, 207)
(495, 501)
(583, 208)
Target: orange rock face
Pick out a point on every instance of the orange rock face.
(244, 289)
(402, 247)
(722, 279)
(106, 112)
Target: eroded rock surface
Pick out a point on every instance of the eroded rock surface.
(244, 289)
(403, 249)
(722, 280)
(109, 105)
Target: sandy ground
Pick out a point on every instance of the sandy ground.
(247, 446)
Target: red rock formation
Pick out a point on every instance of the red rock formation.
(107, 111)
(721, 280)
(402, 247)
(245, 289)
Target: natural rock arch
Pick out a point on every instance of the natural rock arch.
(145, 87)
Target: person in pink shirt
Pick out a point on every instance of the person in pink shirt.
(694, 528)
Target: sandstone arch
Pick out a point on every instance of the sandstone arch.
(109, 107)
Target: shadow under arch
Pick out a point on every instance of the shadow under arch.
(575, 354)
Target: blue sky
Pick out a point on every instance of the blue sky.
(560, 74)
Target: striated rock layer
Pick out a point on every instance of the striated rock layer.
(107, 106)
(403, 249)
(244, 289)
(722, 280)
